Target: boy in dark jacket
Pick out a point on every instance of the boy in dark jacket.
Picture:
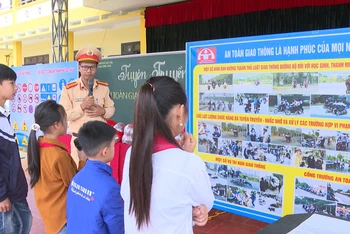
(94, 204)
(15, 215)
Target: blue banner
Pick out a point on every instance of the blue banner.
(281, 47)
(36, 84)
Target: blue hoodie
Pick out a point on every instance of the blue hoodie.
(94, 204)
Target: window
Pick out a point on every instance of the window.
(5, 5)
(26, 1)
(39, 59)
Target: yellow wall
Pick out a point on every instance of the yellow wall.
(109, 41)
(38, 48)
(3, 58)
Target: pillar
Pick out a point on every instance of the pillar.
(143, 40)
(70, 46)
(59, 30)
(17, 53)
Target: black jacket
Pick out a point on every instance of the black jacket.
(13, 183)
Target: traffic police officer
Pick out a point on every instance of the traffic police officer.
(80, 107)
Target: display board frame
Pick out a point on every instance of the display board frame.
(299, 149)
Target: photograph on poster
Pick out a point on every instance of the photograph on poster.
(304, 205)
(285, 135)
(330, 106)
(318, 139)
(229, 147)
(289, 104)
(252, 82)
(295, 82)
(308, 158)
(257, 151)
(315, 196)
(338, 192)
(208, 134)
(337, 161)
(218, 179)
(334, 82)
(343, 141)
(220, 102)
(258, 133)
(234, 131)
(316, 189)
(343, 211)
(282, 153)
(215, 83)
(255, 103)
(255, 189)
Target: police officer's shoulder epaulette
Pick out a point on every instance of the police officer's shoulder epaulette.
(71, 84)
(101, 83)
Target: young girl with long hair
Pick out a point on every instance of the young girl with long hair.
(163, 181)
(50, 166)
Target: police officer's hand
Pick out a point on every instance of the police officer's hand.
(88, 102)
(5, 205)
(95, 111)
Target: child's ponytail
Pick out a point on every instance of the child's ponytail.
(33, 156)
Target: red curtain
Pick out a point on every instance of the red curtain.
(208, 9)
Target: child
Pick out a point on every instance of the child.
(50, 166)
(163, 179)
(94, 204)
(15, 215)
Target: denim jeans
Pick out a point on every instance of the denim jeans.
(63, 230)
(18, 220)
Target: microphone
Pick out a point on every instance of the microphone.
(91, 86)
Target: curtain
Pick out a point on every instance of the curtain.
(173, 37)
(207, 9)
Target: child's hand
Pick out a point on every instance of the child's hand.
(189, 143)
(200, 215)
(5, 205)
(81, 155)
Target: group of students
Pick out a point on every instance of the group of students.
(165, 187)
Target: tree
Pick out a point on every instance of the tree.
(340, 157)
(224, 126)
(200, 79)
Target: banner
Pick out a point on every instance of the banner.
(126, 74)
(271, 114)
(36, 84)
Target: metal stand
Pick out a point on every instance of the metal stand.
(59, 30)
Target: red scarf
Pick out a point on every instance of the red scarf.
(46, 145)
(161, 144)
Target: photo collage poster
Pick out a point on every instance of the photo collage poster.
(272, 122)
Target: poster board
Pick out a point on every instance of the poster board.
(126, 74)
(36, 84)
(271, 115)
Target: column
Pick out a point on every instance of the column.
(17, 53)
(143, 40)
(15, 5)
(70, 46)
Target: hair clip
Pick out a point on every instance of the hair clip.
(152, 87)
(36, 127)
